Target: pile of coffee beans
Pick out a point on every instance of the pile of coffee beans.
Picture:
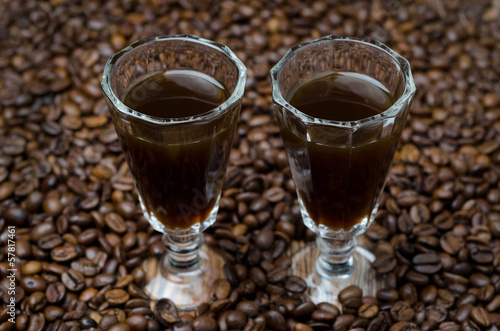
(80, 236)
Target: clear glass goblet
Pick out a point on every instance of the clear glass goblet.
(178, 164)
(339, 196)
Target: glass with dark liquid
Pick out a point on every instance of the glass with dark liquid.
(178, 183)
(175, 102)
(341, 104)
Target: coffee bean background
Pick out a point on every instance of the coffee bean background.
(80, 235)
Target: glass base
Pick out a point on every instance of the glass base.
(323, 287)
(186, 289)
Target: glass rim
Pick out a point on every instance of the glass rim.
(124, 109)
(392, 111)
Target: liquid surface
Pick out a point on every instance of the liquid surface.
(339, 184)
(341, 97)
(179, 184)
(176, 93)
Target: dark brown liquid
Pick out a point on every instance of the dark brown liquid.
(341, 97)
(179, 183)
(339, 186)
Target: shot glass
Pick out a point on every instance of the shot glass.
(177, 163)
(339, 167)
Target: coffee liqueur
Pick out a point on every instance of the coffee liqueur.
(341, 179)
(176, 181)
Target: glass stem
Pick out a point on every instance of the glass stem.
(183, 253)
(335, 259)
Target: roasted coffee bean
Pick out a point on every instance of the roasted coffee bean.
(120, 327)
(328, 307)
(247, 307)
(494, 304)
(323, 315)
(387, 295)
(445, 326)
(480, 316)
(14, 215)
(350, 292)
(264, 239)
(404, 326)
(416, 278)
(404, 222)
(463, 312)
(466, 298)
(445, 298)
(275, 320)
(136, 303)
(280, 245)
(50, 241)
(88, 322)
(401, 311)
(102, 280)
(368, 311)
(254, 256)
(235, 319)
(204, 323)
(36, 322)
(108, 321)
(408, 292)
(137, 322)
(124, 281)
(33, 284)
(115, 223)
(343, 322)
(52, 313)
(41, 230)
(55, 292)
(73, 280)
(384, 264)
(23, 249)
(64, 253)
(88, 294)
(116, 297)
(88, 236)
(455, 279)
(479, 280)
(59, 325)
(258, 277)
(275, 290)
(277, 275)
(109, 268)
(304, 310)
(274, 194)
(462, 269)
(303, 327)
(247, 288)
(166, 312)
(220, 289)
(436, 313)
(469, 326)
(32, 267)
(429, 263)
(450, 243)
(37, 301)
(351, 306)
(86, 267)
(378, 323)
(391, 280)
